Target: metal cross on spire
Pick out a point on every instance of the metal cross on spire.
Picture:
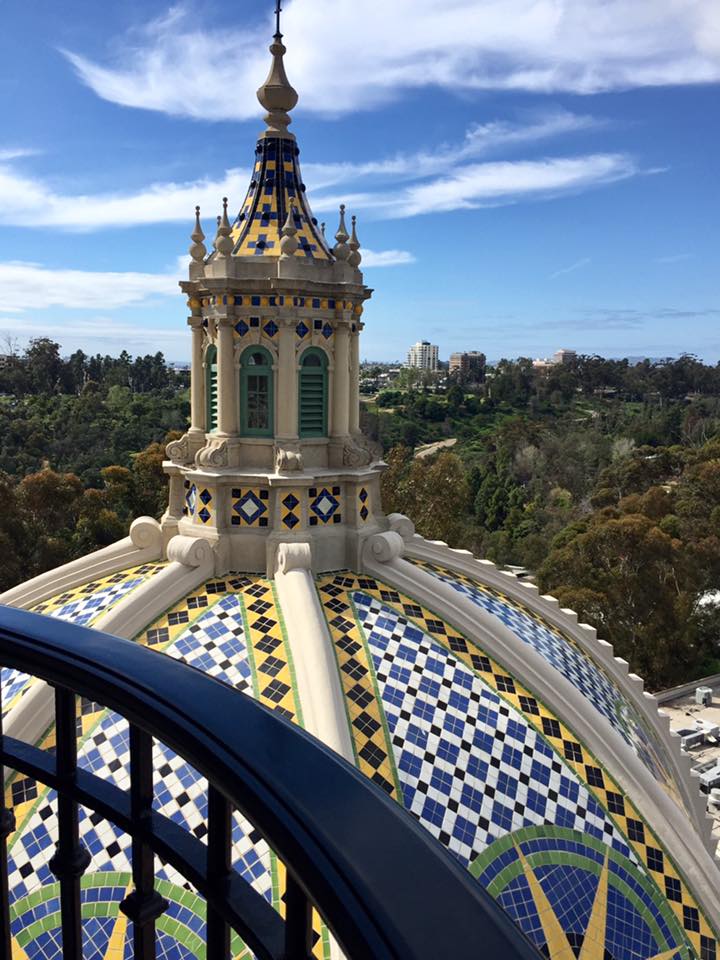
(278, 8)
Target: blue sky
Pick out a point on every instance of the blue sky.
(527, 174)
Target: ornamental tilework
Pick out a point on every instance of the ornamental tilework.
(191, 500)
(231, 628)
(290, 509)
(565, 656)
(250, 507)
(324, 505)
(204, 509)
(427, 744)
(545, 876)
(82, 605)
(364, 504)
(276, 185)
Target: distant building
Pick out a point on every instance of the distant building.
(468, 366)
(423, 355)
(564, 356)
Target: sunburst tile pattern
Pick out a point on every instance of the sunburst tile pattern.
(476, 756)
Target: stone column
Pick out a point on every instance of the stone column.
(228, 407)
(355, 380)
(286, 424)
(197, 378)
(341, 385)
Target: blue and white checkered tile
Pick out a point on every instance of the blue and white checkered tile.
(216, 644)
(13, 683)
(84, 609)
(471, 768)
(575, 666)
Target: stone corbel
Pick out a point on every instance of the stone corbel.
(288, 457)
(190, 551)
(183, 450)
(402, 525)
(145, 532)
(384, 547)
(215, 454)
(357, 452)
(293, 556)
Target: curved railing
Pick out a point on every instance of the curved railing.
(385, 888)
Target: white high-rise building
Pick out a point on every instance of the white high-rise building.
(423, 355)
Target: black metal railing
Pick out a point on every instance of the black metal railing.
(383, 885)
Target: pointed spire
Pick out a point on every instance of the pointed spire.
(277, 95)
(341, 248)
(289, 243)
(355, 257)
(197, 249)
(223, 243)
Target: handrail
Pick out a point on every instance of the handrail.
(383, 885)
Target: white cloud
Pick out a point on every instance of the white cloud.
(578, 265)
(16, 153)
(585, 46)
(30, 286)
(385, 258)
(674, 258)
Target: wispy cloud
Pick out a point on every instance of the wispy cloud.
(31, 286)
(30, 202)
(385, 258)
(17, 153)
(674, 258)
(578, 265)
(584, 47)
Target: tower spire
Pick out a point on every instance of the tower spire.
(277, 95)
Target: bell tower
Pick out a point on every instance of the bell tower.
(274, 452)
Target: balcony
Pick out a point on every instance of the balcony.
(381, 884)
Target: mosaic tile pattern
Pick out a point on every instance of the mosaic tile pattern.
(232, 629)
(276, 185)
(191, 500)
(562, 653)
(367, 619)
(82, 605)
(364, 505)
(204, 509)
(250, 507)
(543, 876)
(290, 509)
(324, 505)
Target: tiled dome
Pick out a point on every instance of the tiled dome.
(495, 772)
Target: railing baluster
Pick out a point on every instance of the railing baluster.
(7, 825)
(219, 865)
(144, 904)
(298, 922)
(71, 859)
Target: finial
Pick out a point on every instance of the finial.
(355, 256)
(341, 248)
(197, 249)
(223, 243)
(322, 228)
(289, 243)
(277, 95)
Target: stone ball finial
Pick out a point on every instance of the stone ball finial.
(355, 257)
(277, 95)
(197, 249)
(341, 249)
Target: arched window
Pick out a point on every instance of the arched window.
(256, 393)
(313, 393)
(211, 389)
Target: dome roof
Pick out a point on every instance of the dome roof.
(573, 844)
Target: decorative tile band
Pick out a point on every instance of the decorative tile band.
(324, 505)
(290, 509)
(364, 505)
(250, 507)
(443, 710)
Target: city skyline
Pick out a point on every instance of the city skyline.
(517, 184)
